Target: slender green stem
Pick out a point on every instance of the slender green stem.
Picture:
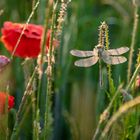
(19, 126)
(123, 109)
(33, 114)
(135, 26)
(27, 22)
(6, 113)
(100, 73)
(33, 4)
(41, 59)
(117, 113)
(105, 114)
(41, 63)
(26, 93)
(133, 77)
(37, 113)
(49, 74)
(24, 118)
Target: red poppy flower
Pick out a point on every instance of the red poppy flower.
(29, 45)
(3, 98)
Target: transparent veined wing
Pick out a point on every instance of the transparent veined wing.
(118, 51)
(114, 60)
(80, 53)
(87, 62)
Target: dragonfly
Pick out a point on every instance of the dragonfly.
(111, 56)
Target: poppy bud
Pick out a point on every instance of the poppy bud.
(3, 61)
(137, 82)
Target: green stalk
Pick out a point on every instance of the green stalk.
(133, 40)
(19, 126)
(49, 76)
(133, 77)
(104, 116)
(109, 74)
(41, 63)
(33, 113)
(122, 110)
(33, 4)
(27, 22)
(26, 93)
(100, 74)
(6, 113)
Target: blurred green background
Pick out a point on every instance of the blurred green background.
(78, 99)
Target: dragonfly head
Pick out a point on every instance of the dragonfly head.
(99, 46)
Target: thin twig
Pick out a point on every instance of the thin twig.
(15, 135)
(105, 114)
(26, 91)
(123, 109)
(22, 103)
(24, 27)
(133, 78)
(41, 62)
(49, 74)
(134, 33)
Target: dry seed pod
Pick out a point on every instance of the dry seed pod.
(49, 71)
(61, 15)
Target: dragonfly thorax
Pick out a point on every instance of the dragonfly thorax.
(98, 50)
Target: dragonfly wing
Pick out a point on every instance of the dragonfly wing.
(118, 60)
(87, 62)
(118, 51)
(114, 60)
(82, 53)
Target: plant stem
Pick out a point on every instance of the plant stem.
(133, 77)
(100, 74)
(123, 109)
(135, 26)
(19, 126)
(118, 113)
(109, 70)
(105, 114)
(27, 22)
(49, 75)
(40, 65)
(26, 93)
